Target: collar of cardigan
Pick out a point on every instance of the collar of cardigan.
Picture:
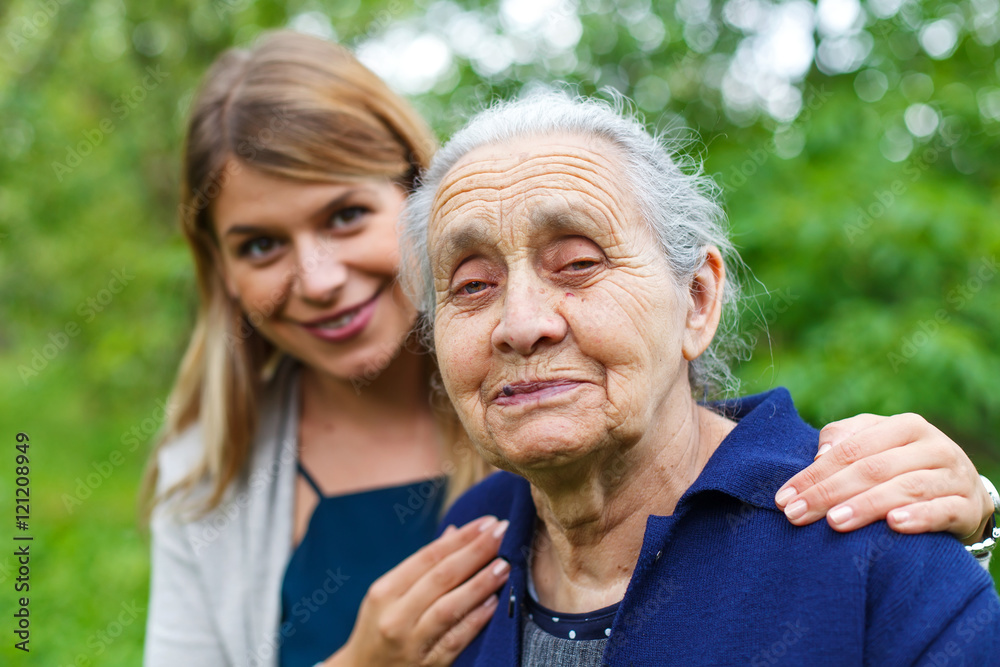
(769, 444)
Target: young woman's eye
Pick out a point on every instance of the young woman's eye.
(256, 248)
(347, 217)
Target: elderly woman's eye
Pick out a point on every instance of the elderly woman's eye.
(581, 264)
(473, 287)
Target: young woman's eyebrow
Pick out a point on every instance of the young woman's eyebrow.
(243, 230)
(321, 212)
(337, 202)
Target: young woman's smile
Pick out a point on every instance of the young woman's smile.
(346, 323)
(313, 265)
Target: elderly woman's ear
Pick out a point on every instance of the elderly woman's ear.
(704, 296)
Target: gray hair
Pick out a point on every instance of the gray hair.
(677, 200)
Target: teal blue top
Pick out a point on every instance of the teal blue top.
(351, 541)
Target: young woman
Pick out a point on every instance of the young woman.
(307, 456)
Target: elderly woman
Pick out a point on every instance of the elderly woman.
(575, 278)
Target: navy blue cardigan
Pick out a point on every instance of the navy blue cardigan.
(727, 580)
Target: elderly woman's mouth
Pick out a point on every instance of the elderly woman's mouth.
(520, 393)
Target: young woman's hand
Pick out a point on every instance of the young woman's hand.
(898, 468)
(428, 608)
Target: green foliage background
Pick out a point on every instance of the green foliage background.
(872, 276)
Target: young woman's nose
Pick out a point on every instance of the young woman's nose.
(320, 272)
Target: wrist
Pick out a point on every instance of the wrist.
(982, 530)
(985, 539)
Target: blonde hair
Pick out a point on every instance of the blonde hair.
(302, 108)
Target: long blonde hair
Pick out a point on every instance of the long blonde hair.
(298, 107)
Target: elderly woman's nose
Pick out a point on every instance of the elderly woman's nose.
(320, 272)
(529, 319)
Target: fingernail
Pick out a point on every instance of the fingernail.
(785, 495)
(500, 567)
(822, 450)
(491, 601)
(841, 514)
(899, 517)
(486, 525)
(501, 529)
(796, 509)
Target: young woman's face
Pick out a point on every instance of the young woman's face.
(313, 265)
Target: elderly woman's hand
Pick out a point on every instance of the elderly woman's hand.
(898, 468)
(427, 609)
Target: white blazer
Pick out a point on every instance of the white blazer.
(215, 591)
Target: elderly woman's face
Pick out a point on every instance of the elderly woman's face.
(559, 327)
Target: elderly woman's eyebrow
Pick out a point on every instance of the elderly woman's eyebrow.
(562, 220)
(454, 243)
(475, 234)
(588, 217)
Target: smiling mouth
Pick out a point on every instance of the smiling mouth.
(344, 325)
(339, 321)
(519, 393)
(342, 318)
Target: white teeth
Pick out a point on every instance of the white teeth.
(341, 321)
